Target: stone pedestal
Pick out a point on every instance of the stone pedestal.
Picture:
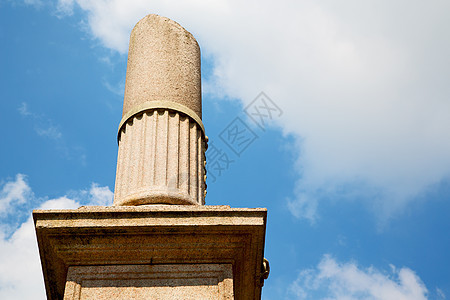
(152, 252)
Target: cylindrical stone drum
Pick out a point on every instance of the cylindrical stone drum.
(161, 137)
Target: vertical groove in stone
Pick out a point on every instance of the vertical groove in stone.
(125, 152)
(161, 150)
(136, 144)
(148, 153)
(155, 144)
(138, 159)
(193, 174)
(199, 166)
(184, 155)
(130, 155)
(158, 153)
(178, 150)
(166, 120)
(173, 155)
(188, 145)
(142, 156)
(128, 158)
(153, 148)
(119, 191)
(119, 181)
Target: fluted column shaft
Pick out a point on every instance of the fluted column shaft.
(166, 164)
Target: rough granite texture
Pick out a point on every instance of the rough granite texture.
(163, 64)
(152, 282)
(161, 157)
(152, 235)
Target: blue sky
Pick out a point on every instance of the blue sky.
(354, 170)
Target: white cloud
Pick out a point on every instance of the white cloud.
(18, 251)
(65, 7)
(334, 280)
(100, 195)
(35, 3)
(19, 255)
(118, 89)
(303, 207)
(51, 132)
(440, 293)
(13, 192)
(363, 84)
(43, 126)
(60, 203)
(23, 109)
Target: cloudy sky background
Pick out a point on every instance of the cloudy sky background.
(355, 172)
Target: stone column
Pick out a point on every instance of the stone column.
(138, 251)
(161, 137)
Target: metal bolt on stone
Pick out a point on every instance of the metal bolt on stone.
(162, 142)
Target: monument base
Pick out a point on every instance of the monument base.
(178, 281)
(152, 252)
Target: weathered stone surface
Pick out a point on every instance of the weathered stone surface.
(163, 64)
(152, 235)
(152, 282)
(160, 160)
(162, 144)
